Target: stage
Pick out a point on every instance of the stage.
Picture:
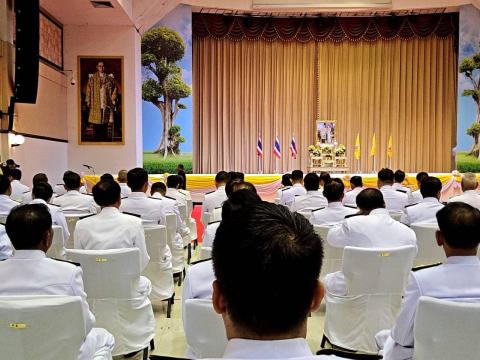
(268, 184)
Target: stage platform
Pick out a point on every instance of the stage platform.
(268, 184)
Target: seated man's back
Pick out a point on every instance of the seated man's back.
(335, 212)
(313, 199)
(6, 203)
(73, 200)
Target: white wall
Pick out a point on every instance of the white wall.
(113, 41)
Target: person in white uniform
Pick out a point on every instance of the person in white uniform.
(457, 279)
(215, 198)
(122, 181)
(394, 200)
(73, 201)
(149, 209)
(37, 178)
(30, 272)
(356, 186)
(373, 227)
(426, 210)
(110, 229)
(173, 189)
(6, 247)
(416, 196)
(6, 203)
(18, 189)
(313, 199)
(286, 183)
(470, 195)
(42, 194)
(335, 212)
(288, 196)
(283, 251)
(398, 179)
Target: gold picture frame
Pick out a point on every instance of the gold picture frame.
(101, 113)
(327, 136)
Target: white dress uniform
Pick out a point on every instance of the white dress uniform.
(170, 207)
(214, 200)
(288, 196)
(6, 247)
(415, 197)
(30, 272)
(58, 217)
(18, 189)
(350, 197)
(394, 200)
(149, 209)
(310, 201)
(296, 348)
(376, 230)
(470, 197)
(177, 195)
(124, 190)
(280, 191)
(401, 188)
(74, 201)
(6, 204)
(59, 189)
(457, 279)
(334, 213)
(423, 212)
(209, 234)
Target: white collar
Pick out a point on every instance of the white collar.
(335, 205)
(73, 192)
(297, 185)
(38, 201)
(137, 194)
(385, 187)
(29, 254)
(380, 211)
(470, 192)
(468, 260)
(273, 349)
(109, 210)
(430, 200)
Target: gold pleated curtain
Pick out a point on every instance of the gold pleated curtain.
(243, 89)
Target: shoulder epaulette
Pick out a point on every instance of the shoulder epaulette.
(132, 214)
(411, 205)
(402, 191)
(18, 202)
(89, 194)
(86, 216)
(320, 208)
(59, 196)
(298, 195)
(210, 192)
(125, 197)
(151, 197)
(199, 261)
(417, 268)
(60, 184)
(350, 206)
(54, 205)
(182, 192)
(66, 261)
(169, 197)
(351, 215)
(285, 188)
(218, 207)
(26, 192)
(214, 222)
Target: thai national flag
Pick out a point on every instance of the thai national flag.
(259, 147)
(276, 148)
(293, 148)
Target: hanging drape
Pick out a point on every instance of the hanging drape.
(392, 84)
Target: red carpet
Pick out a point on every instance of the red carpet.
(197, 215)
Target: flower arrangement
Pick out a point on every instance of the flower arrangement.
(340, 150)
(314, 150)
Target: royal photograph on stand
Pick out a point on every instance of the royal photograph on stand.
(100, 103)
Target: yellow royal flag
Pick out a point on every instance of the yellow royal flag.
(357, 147)
(390, 147)
(373, 151)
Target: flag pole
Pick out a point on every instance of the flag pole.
(374, 163)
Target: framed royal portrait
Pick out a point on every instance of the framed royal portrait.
(100, 100)
(326, 131)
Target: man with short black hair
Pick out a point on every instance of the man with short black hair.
(107, 177)
(30, 272)
(122, 181)
(470, 195)
(356, 185)
(416, 196)
(286, 183)
(398, 179)
(174, 183)
(297, 189)
(394, 200)
(6, 203)
(18, 189)
(73, 201)
(458, 278)
(37, 178)
(42, 194)
(313, 199)
(335, 212)
(325, 179)
(215, 198)
(425, 211)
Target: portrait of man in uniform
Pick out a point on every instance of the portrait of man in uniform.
(101, 108)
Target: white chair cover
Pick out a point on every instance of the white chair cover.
(376, 279)
(175, 242)
(205, 252)
(71, 223)
(332, 256)
(428, 250)
(57, 249)
(204, 329)
(189, 207)
(446, 330)
(112, 282)
(206, 218)
(3, 219)
(41, 327)
(159, 269)
(192, 225)
(182, 209)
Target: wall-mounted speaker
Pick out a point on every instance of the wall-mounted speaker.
(27, 18)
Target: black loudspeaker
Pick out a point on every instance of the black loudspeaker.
(26, 50)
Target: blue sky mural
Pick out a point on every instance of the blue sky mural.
(180, 20)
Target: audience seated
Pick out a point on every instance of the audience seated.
(122, 181)
(30, 272)
(37, 178)
(356, 185)
(42, 194)
(286, 183)
(6, 203)
(470, 195)
(283, 251)
(398, 179)
(457, 279)
(215, 198)
(313, 199)
(335, 212)
(425, 211)
(18, 189)
(110, 229)
(137, 202)
(173, 189)
(416, 196)
(394, 200)
(73, 200)
(288, 196)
